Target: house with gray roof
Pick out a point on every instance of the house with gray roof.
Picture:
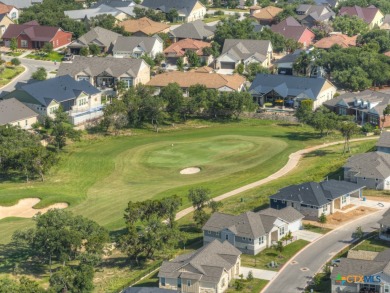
(371, 169)
(146, 290)
(384, 223)
(290, 90)
(197, 30)
(15, 113)
(120, 13)
(135, 47)
(99, 36)
(209, 269)
(80, 99)
(383, 143)
(311, 15)
(21, 4)
(286, 63)
(236, 51)
(331, 3)
(357, 275)
(188, 10)
(251, 232)
(106, 72)
(313, 199)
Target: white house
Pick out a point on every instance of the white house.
(135, 47)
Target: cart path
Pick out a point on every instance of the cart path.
(292, 162)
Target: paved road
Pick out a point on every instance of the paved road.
(293, 279)
(25, 77)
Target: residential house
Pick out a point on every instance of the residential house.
(204, 76)
(359, 275)
(331, 3)
(386, 23)
(383, 143)
(286, 63)
(106, 72)
(288, 90)
(290, 28)
(146, 290)
(179, 49)
(196, 30)
(99, 36)
(144, 27)
(371, 169)
(384, 223)
(10, 10)
(313, 199)
(16, 113)
(120, 13)
(21, 4)
(237, 51)
(370, 15)
(115, 3)
(366, 106)
(135, 47)
(79, 99)
(312, 15)
(341, 40)
(209, 269)
(266, 15)
(5, 21)
(252, 232)
(31, 35)
(188, 10)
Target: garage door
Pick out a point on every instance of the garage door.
(228, 65)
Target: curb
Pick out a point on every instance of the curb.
(16, 77)
(307, 246)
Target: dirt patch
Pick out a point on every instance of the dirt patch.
(24, 208)
(348, 207)
(337, 219)
(189, 171)
(385, 198)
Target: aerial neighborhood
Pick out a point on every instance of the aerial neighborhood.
(200, 146)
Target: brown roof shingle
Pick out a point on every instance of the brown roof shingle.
(144, 25)
(179, 48)
(33, 30)
(343, 41)
(267, 13)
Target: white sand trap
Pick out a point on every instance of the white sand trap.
(189, 171)
(24, 208)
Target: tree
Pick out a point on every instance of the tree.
(15, 61)
(94, 49)
(47, 47)
(347, 129)
(386, 112)
(302, 63)
(23, 285)
(323, 218)
(40, 74)
(172, 94)
(13, 44)
(354, 78)
(193, 58)
(240, 68)
(180, 64)
(172, 15)
(350, 25)
(149, 60)
(200, 199)
(305, 111)
(84, 51)
(62, 130)
(278, 246)
(159, 58)
(250, 276)
(255, 68)
(78, 280)
(359, 232)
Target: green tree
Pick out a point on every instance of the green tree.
(84, 51)
(302, 63)
(255, 68)
(180, 64)
(355, 78)
(278, 246)
(23, 285)
(193, 58)
(359, 232)
(323, 218)
(172, 15)
(62, 130)
(47, 47)
(304, 112)
(94, 49)
(200, 199)
(40, 74)
(13, 44)
(350, 25)
(149, 60)
(159, 58)
(172, 94)
(15, 61)
(240, 68)
(347, 129)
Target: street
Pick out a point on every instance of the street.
(295, 276)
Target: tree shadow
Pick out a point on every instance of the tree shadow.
(271, 254)
(318, 153)
(288, 124)
(301, 136)
(262, 207)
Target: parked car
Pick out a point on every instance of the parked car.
(335, 262)
(68, 57)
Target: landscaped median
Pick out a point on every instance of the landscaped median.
(52, 56)
(9, 73)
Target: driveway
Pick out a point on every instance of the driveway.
(306, 235)
(293, 277)
(258, 274)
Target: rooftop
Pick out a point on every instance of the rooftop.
(12, 110)
(179, 48)
(144, 25)
(343, 41)
(374, 165)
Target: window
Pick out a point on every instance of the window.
(227, 237)
(364, 178)
(208, 232)
(373, 119)
(387, 288)
(343, 199)
(178, 283)
(25, 122)
(250, 239)
(217, 233)
(325, 208)
(127, 81)
(261, 240)
(292, 204)
(162, 281)
(23, 43)
(342, 111)
(82, 101)
(52, 110)
(243, 238)
(283, 201)
(223, 283)
(188, 283)
(281, 231)
(376, 179)
(13, 15)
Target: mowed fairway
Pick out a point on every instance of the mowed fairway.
(98, 177)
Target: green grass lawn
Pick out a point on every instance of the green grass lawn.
(323, 287)
(373, 244)
(15, 54)
(52, 56)
(253, 286)
(10, 73)
(268, 255)
(316, 229)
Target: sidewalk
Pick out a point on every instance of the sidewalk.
(258, 273)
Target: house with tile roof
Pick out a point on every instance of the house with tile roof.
(80, 99)
(120, 13)
(311, 15)
(98, 36)
(370, 15)
(252, 232)
(178, 50)
(31, 35)
(358, 275)
(236, 51)
(144, 27)
(196, 30)
(341, 40)
(204, 76)
(135, 47)
(21, 4)
(15, 113)
(209, 269)
(5, 21)
(313, 199)
(384, 226)
(266, 15)
(289, 91)
(290, 28)
(366, 107)
(106, 72)
(188, 10)
(10, 10)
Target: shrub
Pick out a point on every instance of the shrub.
(219, 12)
(15, 61)
(267, 104)
(367, 127)
(250, 276)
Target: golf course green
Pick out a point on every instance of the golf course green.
(98, 176)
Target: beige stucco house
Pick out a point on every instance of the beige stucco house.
(5, 21)
(16, 113)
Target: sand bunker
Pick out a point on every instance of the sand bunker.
(24, 208)
(189, 171)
